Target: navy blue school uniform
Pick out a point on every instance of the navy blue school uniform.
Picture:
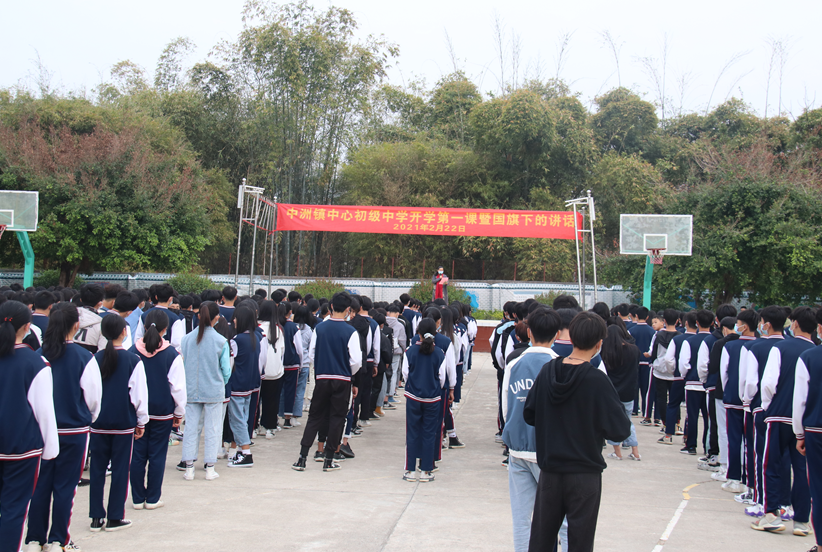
(446, 418)
(424, 377)
(643, 334)
(292, 361)
(564, 348)
(677, 394)
(732, 383)
(124, 407)
(41, 321)
(28, 431)
(228, 313)
(174, 333)
(78, 391)
(166, 381)
(249, 362)
(807, 422)
(254, 402)
(778, 381)
(461, 330)
(695, 396)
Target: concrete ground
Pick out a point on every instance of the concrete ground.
(367, 506)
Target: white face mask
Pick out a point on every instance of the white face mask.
(440, 271)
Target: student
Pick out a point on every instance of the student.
(229, 297)
(292, 363)
(570, 454)
(122, 419)
(732, 384)
(778, 382)
(623, 313)
(694, 352)
(400, 326)
(445, 328)
(165, 377)
(89, 336)
(207, 362)
(272, 385)
(123, 306)
(643, 334)
(752, 367)
(424, 374)
(78, 388)
(305, 322)
(519, 437)
(28, 428)
(336, 355)
(663, 366)
(807, 423)
(187, 312)
(163, 295)
(370, 362)
(717, 458)
(621, 358)
(249, 363)
(677, 393)
(133, 319)
(42, 308)
(110, 293)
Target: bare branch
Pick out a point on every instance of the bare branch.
(730, 63)
(611, 43)
(562, 52)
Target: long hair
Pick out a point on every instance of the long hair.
(269, 313)
(428, 328)
(612, 346)
(13, 316)
(245, 320)
(111, 327)
(62, 319)
(208, 312)
(447, 324)
(156, 324)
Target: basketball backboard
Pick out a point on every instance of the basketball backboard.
(18, 210)
(671, 234)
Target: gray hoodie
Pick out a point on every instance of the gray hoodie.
(89, 335)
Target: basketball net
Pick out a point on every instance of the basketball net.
(656, 256)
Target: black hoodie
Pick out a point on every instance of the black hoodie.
(573, 408)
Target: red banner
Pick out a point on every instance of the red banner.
(433, 221)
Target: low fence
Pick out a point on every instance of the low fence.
(485, 295)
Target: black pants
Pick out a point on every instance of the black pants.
(270, 391)
(713, 445)
(575, 495)
(663, 387)
(363, 403)
(329, 408)
(376, 386)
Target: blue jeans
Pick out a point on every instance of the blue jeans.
(238, 419)
(302, 381)
(207, 417)
(522, 486)
(630, 441)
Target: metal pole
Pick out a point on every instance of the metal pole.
(592, 217)
(254, 241)
(584, 268)
(273, 241)
(240, 205)
(576, 241)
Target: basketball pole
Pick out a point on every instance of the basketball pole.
(649, 277)
(28, 255)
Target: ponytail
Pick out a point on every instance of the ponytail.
(208, 312)
(13, 316)
(156, 324)
(62, 319)
(426, 331)
(111, 327)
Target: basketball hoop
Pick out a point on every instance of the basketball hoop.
(656, 256)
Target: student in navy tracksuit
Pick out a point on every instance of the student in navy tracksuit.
(28, 429)
(42, 306)
(122, 419)
(229, 296)
(79, 389)
(694, 353)
(732, 391)
(249, 363)
(677, 394)
(292, 362)
(643, 334)
(807, 422)
(780, 447)
(424, 375)
(166, 380)
(176, 330)
(446, 328)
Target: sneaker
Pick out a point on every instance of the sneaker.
(505, 462)
(426, 477)
(345, 450)
(410, 476)
(295, 422)
(769, 523)
(378, 412)
(181, 466)
(211, 474)
(319, 456)
(108, 470)
(734, 486)
(679, 430)
(498, 438)
(625, 447)
(356, 432)
(269, 434)
(745, 498)
(84, 482)
(664, 440)
(69, 547)
(454, 442)
(176, 434)
(33, 546)
(662, 430)
(223, 454)
(97, 525)
(814, 549)
(117, 524)
(251, 443)
(253, 433)
(158, 504)
(243, 460)
(657, 423)
(633, 456)
(189, 473)
(330, 465)
(646, 423)
(287, 424)
(756, 511)
(613, 456)
(786, 513)
(686, 450)
(388, 406)
(139, 506)
(392, 400)
(712, 466)
(801, 529)
(720, 476)
(339, 457)
(364, 423)
(436, 468)
(299, 465)
(704, 459)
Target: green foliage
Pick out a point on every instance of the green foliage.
(487, 314)
(51, 278)
(424, 291)
(186, 283)
(320, 288)
(547, 298)
(623, 122)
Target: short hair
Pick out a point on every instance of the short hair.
(601, 309)
(521, 311)
(278, 295)
(394, 308)
(642, 313)
(379, 318)
(632, 309)
(355, 304)
(805, 317)
(312, 304)
(112, 290)
(366, 303)
(670, 316)
(565, 302)
(261, 293)
(622, 309)
(775, 316)
(340, 301)
(164, 292)
(229, 292)
(196, 301)
(566, 316)
(141, 294)
(689, 319)
(126, 301)
(704, 318)
(405, 298)
(544, 324)
(724, 310)
(43, 300)
(586, 330)
(521, 329)
(749, 317)
(728, 322)
(294, 296)
(186, 301)
(91, 294)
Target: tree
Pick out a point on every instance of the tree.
(623, 121)
(451, 103)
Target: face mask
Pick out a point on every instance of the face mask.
(440, 271)
(737, 330)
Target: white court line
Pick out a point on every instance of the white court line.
(663, 540)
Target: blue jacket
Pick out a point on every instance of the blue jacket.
(205, 381)
(116, 409)
(423, 381)
(70, 408)
(246, 375)
(807, 415)
(778, 378)
(643, 334)
(20, 435)
(729, 370)
(333, 345)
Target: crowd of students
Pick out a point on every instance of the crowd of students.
(755, 378)
(104, 379)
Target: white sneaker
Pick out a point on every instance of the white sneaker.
(33, 547)
(139, 506)
(211, 474)
(295, 422)
(189, 473)
(720, 476)
(222, 454)
(253, 433)
(734, 486)
(158, 504)
(269, 434)
(56, 547)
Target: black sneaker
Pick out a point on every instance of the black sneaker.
(97, 524)
(117, 524)
(686, 450)
(299, 465)
(454, 442)
(181, 466)
(505, 462)
(319, 456)
(242, 461)
(356, 431)
(339, 456)
(84, 482)
(346, 451)
(436, 468)
(287, 424)
(330, 465)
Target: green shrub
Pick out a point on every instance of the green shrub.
(320, 288)
(487, 314)
(424, 291)
(49, 278)
(184, 284)
(547, 298)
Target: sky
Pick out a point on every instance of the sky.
(719, 49)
